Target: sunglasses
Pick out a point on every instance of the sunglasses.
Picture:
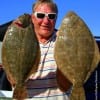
(41, 15)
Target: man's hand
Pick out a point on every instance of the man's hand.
(23, 20)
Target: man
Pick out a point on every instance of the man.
(43, 84)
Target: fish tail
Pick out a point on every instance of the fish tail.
(20, 93)
(78, 93)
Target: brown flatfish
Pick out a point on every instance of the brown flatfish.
(20, 55)
(76, 54)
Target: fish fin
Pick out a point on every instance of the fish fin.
(20, 93)
(95, 62)
(78, 93)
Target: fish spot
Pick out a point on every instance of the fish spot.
(66, 20)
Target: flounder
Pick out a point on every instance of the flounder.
(76, 54)
(20, 54)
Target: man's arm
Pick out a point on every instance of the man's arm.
(3, 29)
(4, 83)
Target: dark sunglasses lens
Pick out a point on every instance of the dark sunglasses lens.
(52, 16)
(39, 15)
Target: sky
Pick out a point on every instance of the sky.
(88, 10)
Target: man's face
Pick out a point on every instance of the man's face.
(43, 26)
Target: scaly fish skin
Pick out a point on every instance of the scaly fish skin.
(20, 55)
(76, 53)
